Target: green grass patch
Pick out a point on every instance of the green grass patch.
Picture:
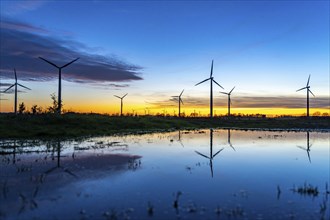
(79, 125)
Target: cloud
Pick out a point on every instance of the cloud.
(12, 8)
(5, 84)
(21, 44)
(250, 102)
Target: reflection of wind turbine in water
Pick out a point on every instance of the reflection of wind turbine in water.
(211, 152)
(229, 140)
(211, 88)
(121, 103)
(308, 148)
(58, 166)
(180, 139)
(16, 84)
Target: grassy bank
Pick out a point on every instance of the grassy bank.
(76, 125)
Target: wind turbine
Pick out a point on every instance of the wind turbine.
(59, 80)
(180, 101)
(229, 100)
(211, 89)
(308, 91)
(58, 165)
(229, 142)
(16, 84)
(308, 148)
(121, 103)
(211, 152)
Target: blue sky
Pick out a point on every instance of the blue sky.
(265, 48)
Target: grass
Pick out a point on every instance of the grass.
(79, 125)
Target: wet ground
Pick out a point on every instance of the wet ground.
(201, 174)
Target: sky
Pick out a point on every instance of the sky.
(152, 50)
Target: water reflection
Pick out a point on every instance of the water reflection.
(57, 147)
(229, 142)
(262, 176)
(179, 139)
(307, 148)
(211, 152)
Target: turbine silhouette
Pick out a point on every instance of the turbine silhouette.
(16, 84)
(211, 88)
(121, 103)
(308, 91)
(59, 80)
(180, 101)
(308, 149)
(211, 152)
(229, 100)
(228, 139)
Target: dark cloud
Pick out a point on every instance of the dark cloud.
(4, 85)
(252, 102)
(21, 45)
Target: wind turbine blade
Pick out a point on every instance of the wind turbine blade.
(202, 154)
(50, 170)
(303, 148)
(181, 101)
(181, 93)
(308, 80)
(23, 86)
(117, 96)
(217, 152)
(15, 75)
(217, 83)
(224, 93)
(309, 157)
(301, 89)
(49, 62)
(69, 63)
(9, 88)
(311, 92)
(175, 96)
(124, 95)
(203, 81)
(231, 90)
(211, 69)
(232, 146)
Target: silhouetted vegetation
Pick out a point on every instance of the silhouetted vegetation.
(308, 190)
(75, 125)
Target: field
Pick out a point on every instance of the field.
(79, 125)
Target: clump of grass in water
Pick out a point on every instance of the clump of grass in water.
(176, 201)
(150, 209)
(308, 190)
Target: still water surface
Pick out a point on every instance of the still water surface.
(201, 174)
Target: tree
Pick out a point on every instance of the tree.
(21, 108)
(54, 107)
(35, 109)
(317, 113)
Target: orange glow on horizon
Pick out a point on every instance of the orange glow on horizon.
(142, 109)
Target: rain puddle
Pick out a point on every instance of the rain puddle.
(200, 174)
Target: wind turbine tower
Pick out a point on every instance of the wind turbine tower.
(229, 100)
(211, 152)
(121, 103)
(59, 80)
(211, 89)
(308, 91)
(180, 101)
(16, 84)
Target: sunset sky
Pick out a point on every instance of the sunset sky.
(153, 50)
